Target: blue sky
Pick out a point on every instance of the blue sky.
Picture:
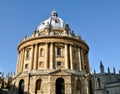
(97, 21)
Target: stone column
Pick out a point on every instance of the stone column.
(46, 56)
(22, 63)
(18, 59)
(31, 58)
(71, 57)
(35, 57)
(19, 67)
(66, 56)
(51, 56)
(88, 70)
(79, 58)
(82, 59)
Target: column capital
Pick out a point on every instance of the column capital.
(71, 44)
(52, 42)
(47, 42)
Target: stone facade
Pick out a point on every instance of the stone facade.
(53, 60)
(107, 83)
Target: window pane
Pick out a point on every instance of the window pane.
(28, 54)
(41, 52)
(59, 51)
(59, 63)
(26, 66)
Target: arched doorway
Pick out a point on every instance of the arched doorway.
(78, 86)
(21, 87)
(90, 87)
(60, 86)
(38, 85)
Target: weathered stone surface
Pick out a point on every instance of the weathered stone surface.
(52, 58)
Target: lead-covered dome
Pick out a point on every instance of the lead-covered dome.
(53, 21)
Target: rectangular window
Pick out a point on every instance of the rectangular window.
(27, 54)
(58, 51)
(26, 66)
(41, 52)
(59, 63)
(40, 64)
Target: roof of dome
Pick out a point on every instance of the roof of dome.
(53, 21)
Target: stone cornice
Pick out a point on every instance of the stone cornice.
(44, 39)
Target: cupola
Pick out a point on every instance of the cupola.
(53, 21)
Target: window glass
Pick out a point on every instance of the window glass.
(59, 51)
(28, 54)
(59, 63)
(26, 66)
(41, 52)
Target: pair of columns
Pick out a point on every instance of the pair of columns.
(67, 57)
(80, 57)
(35, 56)
(20, 60)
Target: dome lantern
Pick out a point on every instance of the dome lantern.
(54, 14)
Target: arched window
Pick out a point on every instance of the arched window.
(38, 84)
(41, 52)
(27, 54)
(99, 85)
(78, 84)
(59, 51)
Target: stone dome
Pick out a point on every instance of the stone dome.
(53, 21)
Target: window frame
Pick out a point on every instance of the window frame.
(41, 52)
(38, 84)
(60, 63)
(27, 55)
(59, 51)
(26, 66)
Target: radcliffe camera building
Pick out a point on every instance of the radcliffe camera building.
(53, 60)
